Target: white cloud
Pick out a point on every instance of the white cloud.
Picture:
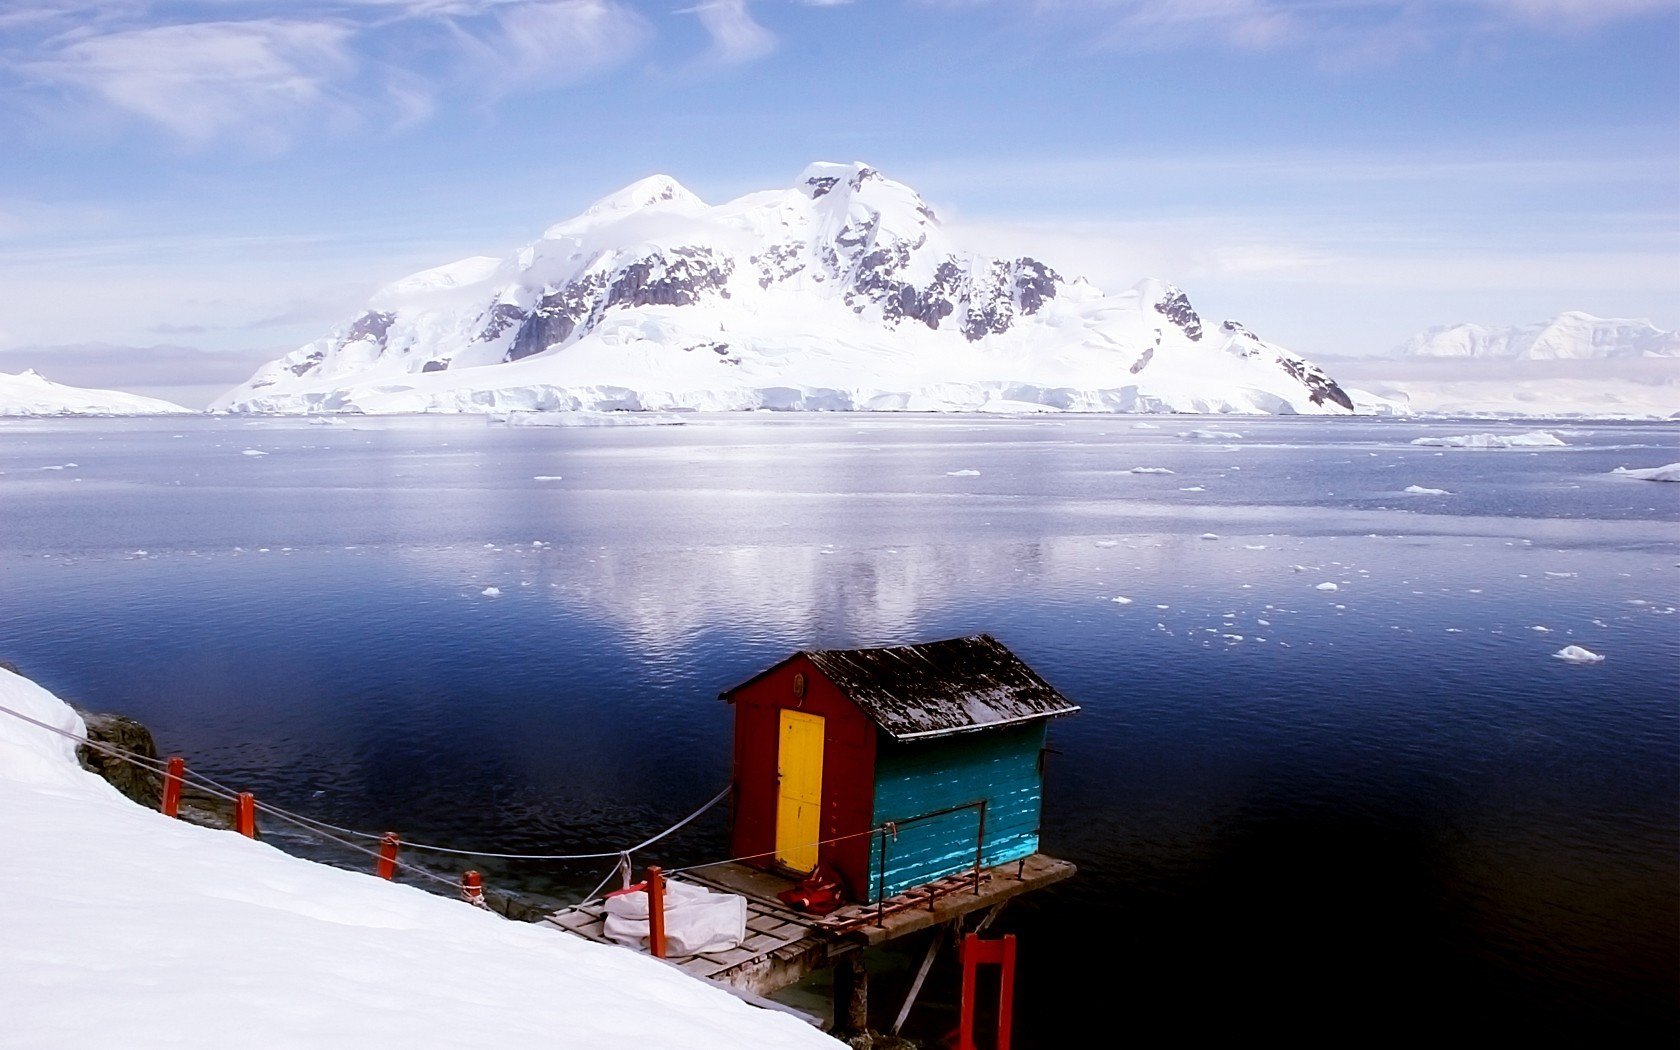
(1576, 13)
(519, 46)
(736, 37)
(252, 79)
(337, 63)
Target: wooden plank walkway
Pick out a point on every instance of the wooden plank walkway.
(783, 946)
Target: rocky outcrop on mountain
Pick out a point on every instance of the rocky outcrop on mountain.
(842, 291)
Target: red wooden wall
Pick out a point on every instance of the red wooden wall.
(848, 793)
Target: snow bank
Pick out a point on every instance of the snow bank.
(1671, 472)
(1533, 439)
(183, 936)
(29, 393)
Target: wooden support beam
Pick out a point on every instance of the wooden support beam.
(921, 975)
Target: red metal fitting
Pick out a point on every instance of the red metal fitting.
(387, 867)
(472, 889)
(172, 785)
(245, 814)
(656, 911)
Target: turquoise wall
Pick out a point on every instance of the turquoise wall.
(999, 765)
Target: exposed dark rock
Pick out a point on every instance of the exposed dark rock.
(1322, 388)
(678, 280)
(777, 263)
(499, 319)
(1177, 309)
(821, 184)
(308, 363)
(119, 731)
(1143, 360)
(371, 325)
(1035, 284)
(440, 365)
(557, 315)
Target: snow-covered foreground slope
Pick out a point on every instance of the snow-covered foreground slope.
(1570, 336)
(842, 291)
(120, 925)
(28, 393)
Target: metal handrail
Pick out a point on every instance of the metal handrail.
(891, 828)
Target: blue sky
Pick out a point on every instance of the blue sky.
(236, 176)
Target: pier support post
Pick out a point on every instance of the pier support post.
(851, 994)
(172, 785)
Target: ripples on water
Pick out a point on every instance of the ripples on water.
(1382, 810)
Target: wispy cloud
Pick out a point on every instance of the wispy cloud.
(334, 63)
(202, 80)
(736, 36)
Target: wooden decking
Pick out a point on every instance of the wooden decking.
(784, 946)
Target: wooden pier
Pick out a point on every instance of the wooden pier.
(784, 946)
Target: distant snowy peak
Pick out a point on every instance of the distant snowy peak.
(1570, 336)
(28, 393)
(841, 291)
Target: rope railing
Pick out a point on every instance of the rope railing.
(335, 833)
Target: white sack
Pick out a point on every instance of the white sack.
(696, 920)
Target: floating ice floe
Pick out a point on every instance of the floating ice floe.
(1211, 435)
(1210, 535)
(547, 477)
(1149, 470)
(1108, 543)
(1562, 575)
(1193, 488)
(1533, 439)
(964, 473)
(1541, 629)
(1145, 426)
(1576, 655)
(253, 452)
(1327, 586)
(1671, 472)
(1120, 599)
(491, 592)
(1419, 490)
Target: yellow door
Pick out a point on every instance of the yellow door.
(799, 765)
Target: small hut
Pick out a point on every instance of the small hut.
(941, 744)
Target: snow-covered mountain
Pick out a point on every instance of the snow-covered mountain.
(842, 291)
(1570, 336)
(28, 393)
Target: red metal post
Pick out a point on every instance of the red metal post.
(1006, 992)
(1002, 953)
(245, 814)
(387, 868)
(172, 785)
(965, 1025)
(472, 889)
(656, 911)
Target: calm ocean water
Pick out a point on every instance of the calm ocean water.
(1375, 812)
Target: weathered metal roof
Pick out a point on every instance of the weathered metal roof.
(914, 692)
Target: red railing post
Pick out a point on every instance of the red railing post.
(387, 867)
(974, 952)
(472, 889)
(245, 814)
(172, 785)
(656, 911)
